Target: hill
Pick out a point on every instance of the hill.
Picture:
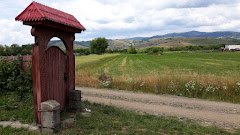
(194, 34)
(167, 40)
(171, 42)
(77, 44)
(178, 39)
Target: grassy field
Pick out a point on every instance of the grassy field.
(211, 75)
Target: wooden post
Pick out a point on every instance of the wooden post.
(36, 77)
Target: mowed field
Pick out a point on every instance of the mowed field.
(214, 75)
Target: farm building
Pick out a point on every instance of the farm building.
(232, 48)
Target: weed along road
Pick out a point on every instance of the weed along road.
(221, 114)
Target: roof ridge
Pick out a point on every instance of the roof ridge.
(17, 18)
(42, 10)
(60, 15)
(51, 8)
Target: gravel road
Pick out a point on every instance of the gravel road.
(221, 114)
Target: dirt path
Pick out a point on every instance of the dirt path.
(221, 114)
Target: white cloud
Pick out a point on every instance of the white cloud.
(13, 32)
(128, 18)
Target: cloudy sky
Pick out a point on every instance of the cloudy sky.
(127, 18)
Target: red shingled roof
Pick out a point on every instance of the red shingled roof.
(38, 12)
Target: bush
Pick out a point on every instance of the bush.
(116, 51)
(82, 51)
(14, 79)
(131, 50)
(154, 51)
(196, 48)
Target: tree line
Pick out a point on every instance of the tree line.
(100, 45)
(15, 50)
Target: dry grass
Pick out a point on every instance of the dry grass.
(84, 79)
(221, 88)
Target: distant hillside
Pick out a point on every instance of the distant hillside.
(171, 42)
(82, 43)
(77, 44)
(188, 38)
(197, 34)
(167, 40)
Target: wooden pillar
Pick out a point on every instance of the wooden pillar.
(39, 69)
(36, 79)
(70, 65)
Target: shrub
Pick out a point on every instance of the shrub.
(14, 79)
(82, 51)
(109, 51)
(116, 50)
(154, 51)
(105, 81)
(196, 47)
(131, 50)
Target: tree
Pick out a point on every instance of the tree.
(15, 49)
(99, 45)
(8, 51)
(2, 50)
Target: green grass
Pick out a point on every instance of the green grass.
(16, 131)
(91, 58)
(208, 75)
(214, 63)
(12, 109)
(106, 120)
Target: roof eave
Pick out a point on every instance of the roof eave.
(54, 25)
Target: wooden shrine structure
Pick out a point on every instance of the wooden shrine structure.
(53, 71)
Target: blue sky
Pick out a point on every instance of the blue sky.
(127, 18)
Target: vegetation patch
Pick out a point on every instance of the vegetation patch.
(108, 120)
(17, 131)
(13, 110)
(213, 76)
(15, 92)
(154, 50)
